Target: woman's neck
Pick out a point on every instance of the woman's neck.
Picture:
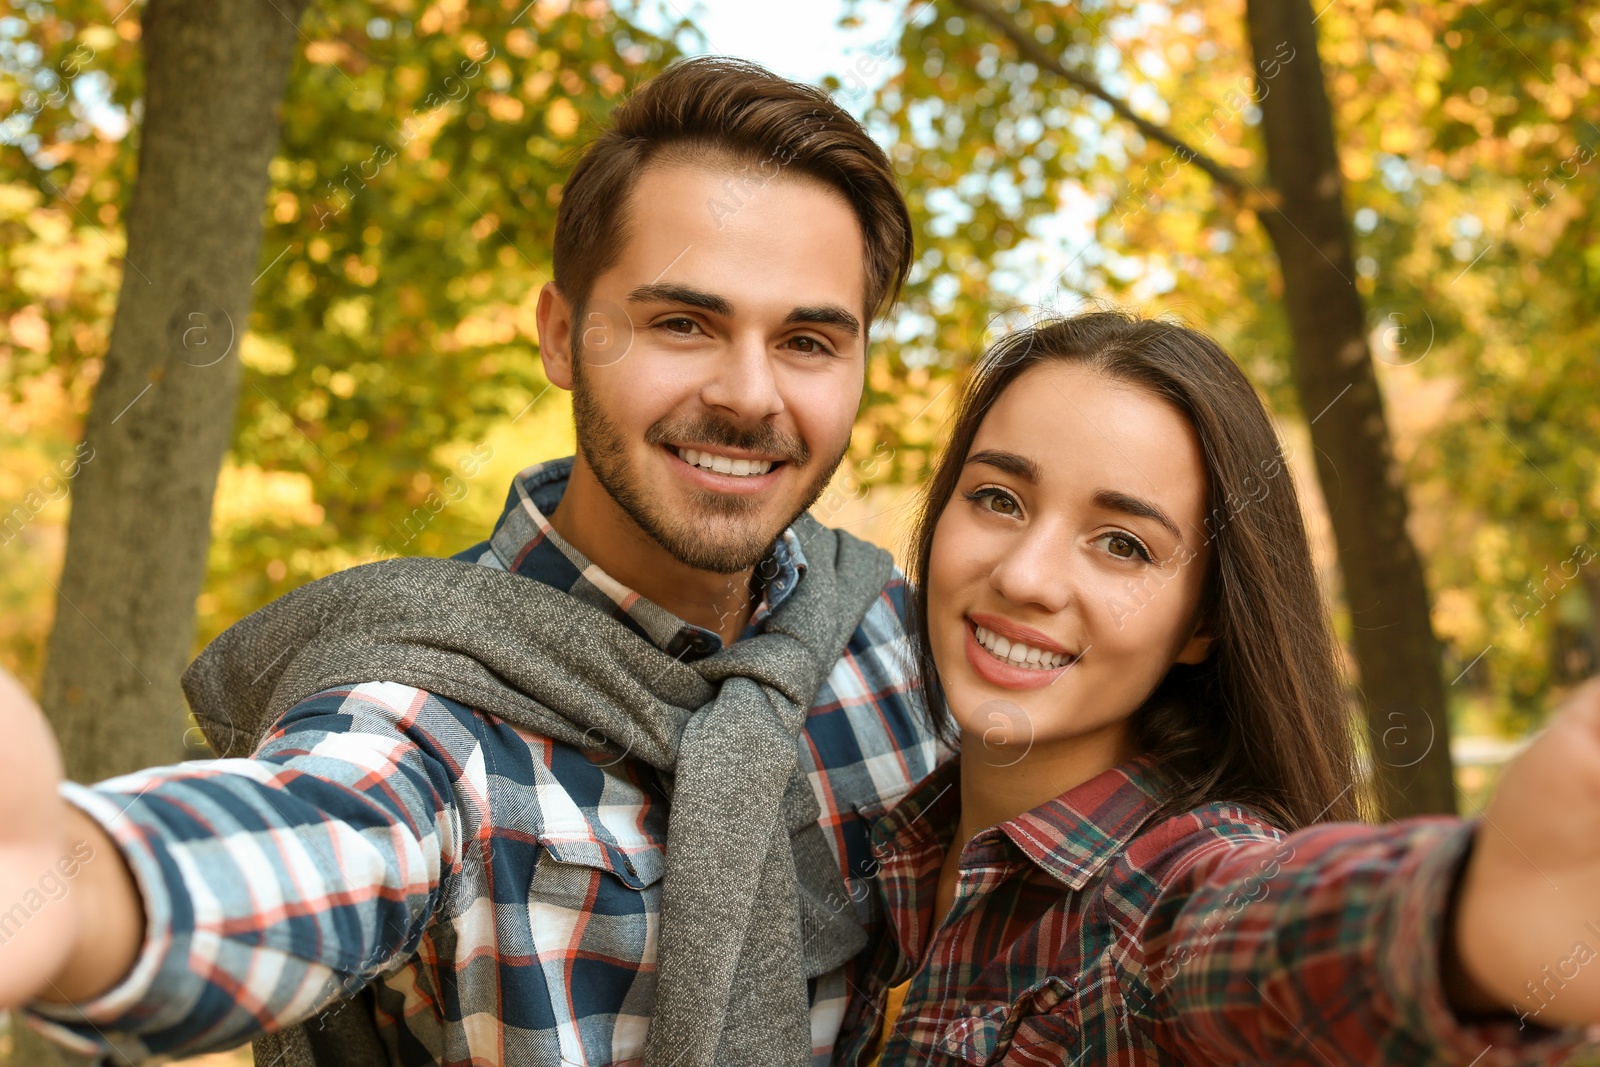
(997, 785)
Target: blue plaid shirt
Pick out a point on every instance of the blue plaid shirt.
(497, 893)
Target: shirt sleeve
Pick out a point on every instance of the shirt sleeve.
(276, 885)
(1323, 947)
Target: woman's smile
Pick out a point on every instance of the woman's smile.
(1014, 656)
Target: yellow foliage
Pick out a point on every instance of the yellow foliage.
(28, 329)
(561, 117)
(265, 356)
(248, 495)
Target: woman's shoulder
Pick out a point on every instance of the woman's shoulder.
(1171, 844)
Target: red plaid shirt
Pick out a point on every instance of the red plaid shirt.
(1085, 933)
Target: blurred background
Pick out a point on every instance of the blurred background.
(373, 388)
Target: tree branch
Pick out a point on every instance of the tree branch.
(1036, 53)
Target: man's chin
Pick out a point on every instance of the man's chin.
(707, 529)
(719, 543)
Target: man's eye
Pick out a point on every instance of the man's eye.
(679, 325)
(809, 345)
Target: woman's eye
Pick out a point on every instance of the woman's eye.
(1124, 547)
(996, 500)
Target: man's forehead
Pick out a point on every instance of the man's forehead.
(786, 243)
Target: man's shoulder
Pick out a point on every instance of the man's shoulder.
(893, 609)
(543, 785)
(482, 554)
(462, 738)
(868, 731)
(879, 652)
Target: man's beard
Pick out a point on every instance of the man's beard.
(718, 532)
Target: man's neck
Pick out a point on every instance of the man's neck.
(590, 520)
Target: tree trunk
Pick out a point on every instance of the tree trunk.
(1396, 652)
(162, 415)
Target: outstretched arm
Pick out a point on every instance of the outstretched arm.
(71, 918)
(269, 887)
(1526, 936)
(1425, 941)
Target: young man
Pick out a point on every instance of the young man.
(453, 824)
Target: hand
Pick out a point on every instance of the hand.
(1527, 930)
(37, 925)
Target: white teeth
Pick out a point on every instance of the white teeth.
(739, 468)
(1020, 655)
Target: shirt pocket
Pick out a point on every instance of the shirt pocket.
(593, 912)
(1039, 1027)
(636, 865)
(608, 895)
(596, 900)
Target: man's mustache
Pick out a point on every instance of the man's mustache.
(705, 430)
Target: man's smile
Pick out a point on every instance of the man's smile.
(720, 461)
(726, 472)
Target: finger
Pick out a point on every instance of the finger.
(30, 767)
(1584, 701)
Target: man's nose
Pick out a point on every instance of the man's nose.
(744, 385)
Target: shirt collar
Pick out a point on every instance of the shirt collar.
(1070, 837)
(525, 543)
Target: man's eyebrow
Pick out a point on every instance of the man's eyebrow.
(1016, 465)
(667, 293)
(1112, 500)
(826, 315)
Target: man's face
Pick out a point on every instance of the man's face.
(720, 360)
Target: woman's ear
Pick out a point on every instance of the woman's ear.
(1198, 646)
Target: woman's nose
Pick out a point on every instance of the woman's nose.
(1036, 570)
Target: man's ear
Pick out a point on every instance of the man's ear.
(1199, 644)
(555, 336)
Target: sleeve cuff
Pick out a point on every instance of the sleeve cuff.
(109, 811)
(1411, 957)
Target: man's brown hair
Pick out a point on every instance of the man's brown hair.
(733, 114)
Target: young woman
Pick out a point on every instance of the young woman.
(1116, 603)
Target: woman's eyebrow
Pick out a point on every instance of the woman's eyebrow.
(1018, 466)
(1112, 500)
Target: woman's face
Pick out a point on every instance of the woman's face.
(1066, 569)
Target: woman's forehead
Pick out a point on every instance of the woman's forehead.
(1078, 425)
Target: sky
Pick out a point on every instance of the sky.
(799, 41)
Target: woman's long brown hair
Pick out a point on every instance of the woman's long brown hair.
(1263, 720)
